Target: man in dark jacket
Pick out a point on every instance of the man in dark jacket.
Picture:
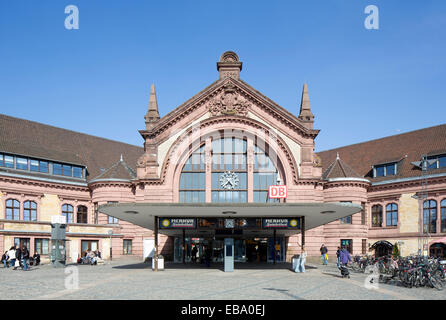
(25, 258)
(18, 256)
(324, 254)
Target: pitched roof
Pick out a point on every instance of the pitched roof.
(339, 169)
(362, 156)
(34, 139)
(119, 171)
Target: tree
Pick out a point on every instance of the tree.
(395, 251)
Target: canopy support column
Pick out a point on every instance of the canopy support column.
(156, 244)
(184, 246)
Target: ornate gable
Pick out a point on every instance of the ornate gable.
(227, 97)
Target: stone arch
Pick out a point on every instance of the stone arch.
(194, 136)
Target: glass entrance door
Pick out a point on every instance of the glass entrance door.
(277, 248)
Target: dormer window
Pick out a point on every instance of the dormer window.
(439, 161)
(384, 170)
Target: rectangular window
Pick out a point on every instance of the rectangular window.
(95, 213)
(364, 246)
(9, 162)
(442, 162)
(22, 163)
(42, 246)
(347, 244)
(77, 172)
(346, 220)
(89, 245)
(22, 242)
(66, 170)
(43, 166)
(385, 170)
(57, 169)
(112, 220)
(127, 247)
(34, 165)
(363, 214)
(1, 160)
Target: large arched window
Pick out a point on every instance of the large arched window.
(193, 177)
(29, 211)
(377, 216)
(392, 215)
(430, 216)
(443, 215)
(12, 209)
(229, 170)
(230, 173)
(82, 214)
(67, 211)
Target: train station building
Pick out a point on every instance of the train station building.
(227, 167)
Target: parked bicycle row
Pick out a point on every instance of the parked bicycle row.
(413, 271)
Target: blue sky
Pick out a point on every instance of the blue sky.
(363, 84)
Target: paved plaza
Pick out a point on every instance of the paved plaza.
(131, 279)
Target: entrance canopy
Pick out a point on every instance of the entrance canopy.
(143, 214)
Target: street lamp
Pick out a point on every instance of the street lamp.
(110, 232)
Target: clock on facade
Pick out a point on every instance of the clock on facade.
(229, 223)
(229, 180)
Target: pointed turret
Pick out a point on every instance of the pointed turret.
(305, 109)
(152, 116)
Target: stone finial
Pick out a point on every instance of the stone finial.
(121, 158)
(152, 114)
(305, 109)
(229, 65)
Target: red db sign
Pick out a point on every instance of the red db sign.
(277, 192)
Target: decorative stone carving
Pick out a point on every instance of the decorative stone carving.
(229, 103)
(317, 162)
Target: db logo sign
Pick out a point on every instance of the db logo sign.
(277, 192)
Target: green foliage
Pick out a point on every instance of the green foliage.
(395, 251)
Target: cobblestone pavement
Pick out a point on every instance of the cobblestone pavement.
(131, 279)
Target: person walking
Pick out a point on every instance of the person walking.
(18, 257)
(194, 254)
(25, 258)
(11, 256)
(338, 253)
(5, 260)
(344, 259)
(324, 254)
(302, 260)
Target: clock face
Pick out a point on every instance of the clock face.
(229, 180)
(229, 223)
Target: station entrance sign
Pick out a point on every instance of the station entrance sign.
(277, 192)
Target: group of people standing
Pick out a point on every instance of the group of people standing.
(17, 257)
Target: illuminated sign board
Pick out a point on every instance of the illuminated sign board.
(281, 223)
(180, 223)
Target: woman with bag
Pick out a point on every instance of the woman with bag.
(302, 259)
(11, 256)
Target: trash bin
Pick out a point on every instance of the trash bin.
(160, 262)
(295, 261)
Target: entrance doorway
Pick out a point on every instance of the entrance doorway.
(257, 250)
(438, 250)
(254, 250)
